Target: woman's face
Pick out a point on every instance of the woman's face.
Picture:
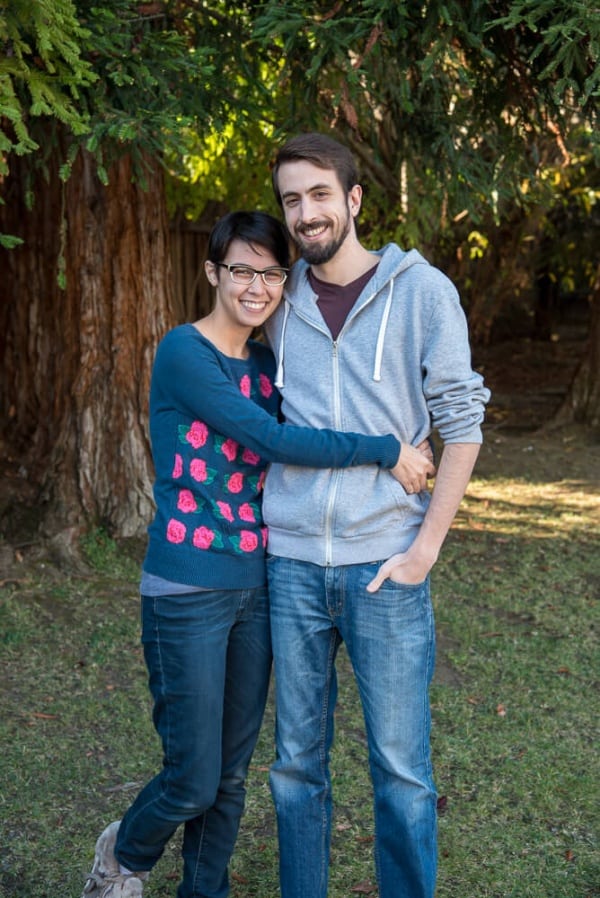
(246, 305)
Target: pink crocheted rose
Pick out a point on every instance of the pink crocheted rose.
(261, 481)
(186, 501)
(229, 449)
(178, 466)
(265, 536)
(203, 537)
(197, 434)
(175, 531)
(225, 510)
(246, 513)
(235, 482)
(245, 385)
(250, 457)
(198, 469)
(248, 541)
(265, 385)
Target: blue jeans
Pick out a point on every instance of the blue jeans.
(390, 641)
(209, 658)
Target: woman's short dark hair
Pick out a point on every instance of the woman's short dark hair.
(320, 150)
(253, 228)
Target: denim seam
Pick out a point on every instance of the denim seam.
(323, 762)
(199, 852)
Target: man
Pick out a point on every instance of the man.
(365, 341)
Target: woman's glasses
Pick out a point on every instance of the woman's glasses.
(243, 274)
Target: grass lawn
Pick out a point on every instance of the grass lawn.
(515, 705)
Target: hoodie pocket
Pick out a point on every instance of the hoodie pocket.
(296, 499)
(368, 501)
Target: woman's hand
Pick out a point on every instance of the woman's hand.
(414, 466)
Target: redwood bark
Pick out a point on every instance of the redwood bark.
(75, 367)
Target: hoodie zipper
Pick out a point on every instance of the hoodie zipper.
(337, 473)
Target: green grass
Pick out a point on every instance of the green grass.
(515, 708)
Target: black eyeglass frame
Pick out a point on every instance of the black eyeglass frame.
(255, 271)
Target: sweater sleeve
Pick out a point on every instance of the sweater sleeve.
(187, 375)
(456, 395)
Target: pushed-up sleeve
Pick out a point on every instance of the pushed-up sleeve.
(455, 393)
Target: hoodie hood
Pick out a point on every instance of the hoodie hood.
(299, 296)
(392, 262)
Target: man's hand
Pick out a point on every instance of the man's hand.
(412, 566)
(414, 466)
(408, 567)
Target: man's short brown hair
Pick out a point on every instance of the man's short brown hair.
(320, 150)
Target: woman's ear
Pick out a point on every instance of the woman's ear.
(210, 270)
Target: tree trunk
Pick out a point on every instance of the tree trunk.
(582, 403)
(76, 363)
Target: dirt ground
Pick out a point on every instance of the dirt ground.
(529, 381)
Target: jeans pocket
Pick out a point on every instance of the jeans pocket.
(406, 590)
(402, 583)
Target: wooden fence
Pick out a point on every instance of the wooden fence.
(189, 243)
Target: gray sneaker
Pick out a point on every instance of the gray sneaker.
(105, 880)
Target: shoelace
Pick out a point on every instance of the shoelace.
(102, 879)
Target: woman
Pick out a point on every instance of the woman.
(205, 617)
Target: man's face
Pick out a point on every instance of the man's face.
(318, 212)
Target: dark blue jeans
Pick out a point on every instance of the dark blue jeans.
(390, 640)
(209, 658)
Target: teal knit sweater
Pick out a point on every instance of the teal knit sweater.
(214, 428)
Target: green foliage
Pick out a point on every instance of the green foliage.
(42, 72)
(229, 167)
(563, 47)
(8, 241)
(153, 83)
(121, 77)
(451, 108)
(464, 116)
(228, 160)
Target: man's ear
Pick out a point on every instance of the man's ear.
(355, 200)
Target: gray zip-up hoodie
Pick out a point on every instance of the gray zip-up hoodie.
(401, 363)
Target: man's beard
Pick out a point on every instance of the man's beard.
(322, 253)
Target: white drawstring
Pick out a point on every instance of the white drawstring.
(279, 374)
(381, 334)
(279, 378)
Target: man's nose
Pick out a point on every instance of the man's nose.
(307, 211)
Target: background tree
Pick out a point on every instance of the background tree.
(475, 125)
(94, 100)
(477, 128)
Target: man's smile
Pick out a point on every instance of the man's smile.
(313, 230)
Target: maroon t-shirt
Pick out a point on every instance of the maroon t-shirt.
(335, 301)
